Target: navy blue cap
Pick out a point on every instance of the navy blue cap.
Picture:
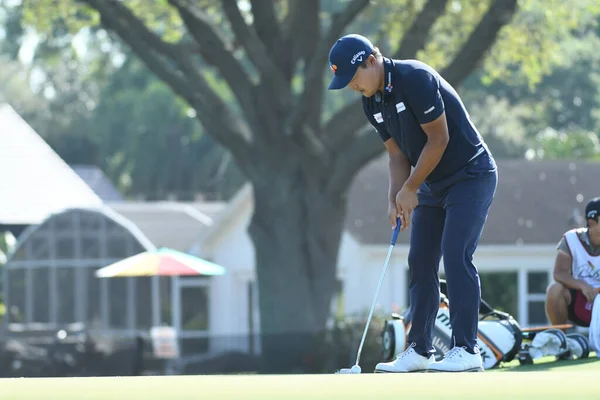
(345, 57)
(592, 210)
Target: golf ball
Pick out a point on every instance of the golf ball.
(355, 369)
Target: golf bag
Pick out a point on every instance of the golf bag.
(553, 342)
(499, 336)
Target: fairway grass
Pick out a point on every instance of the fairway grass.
(565, 379)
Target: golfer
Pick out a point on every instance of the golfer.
(447, 194)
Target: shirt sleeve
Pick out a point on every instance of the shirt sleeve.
(378, 126)
(422, 94)
(564, 246)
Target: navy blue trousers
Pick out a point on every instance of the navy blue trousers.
(448, 223)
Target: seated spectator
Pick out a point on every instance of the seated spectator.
(576, 272)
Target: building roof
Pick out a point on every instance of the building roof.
(35, 182)
(96, 179)
(170, 224)
(535, 203)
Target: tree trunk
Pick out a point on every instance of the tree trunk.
(296, 229)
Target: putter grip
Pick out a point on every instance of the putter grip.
(396, 230)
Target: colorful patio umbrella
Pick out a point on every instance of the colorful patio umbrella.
(160, 262)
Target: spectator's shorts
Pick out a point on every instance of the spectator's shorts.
(580, 311)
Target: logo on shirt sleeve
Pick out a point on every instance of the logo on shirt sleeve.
(430, 110)
(378, 117)
(400, 107)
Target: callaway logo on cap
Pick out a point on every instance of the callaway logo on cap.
(346, 55)
(592, 210)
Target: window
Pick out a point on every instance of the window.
(16, 292)
(90, 223)
(117, 302)
(40, 294)
(537, 313)
(143, 302)
(90, 248)
(93, 312)
(537, 282)
(194, 308)
(500, 290)
(64, 222)
(65, 247)
(65, 298)
(37, 247)
(54, 279)
(164, 283)
(117, 246)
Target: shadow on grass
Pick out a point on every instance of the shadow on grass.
(550, 363)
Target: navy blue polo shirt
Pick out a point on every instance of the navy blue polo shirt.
(415, 94)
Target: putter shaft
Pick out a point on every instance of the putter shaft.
(362, 341)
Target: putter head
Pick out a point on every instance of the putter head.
(354, 370)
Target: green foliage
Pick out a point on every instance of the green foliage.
(558, 117)
(149, 144)
(534, 54)
(102, 106)
(159, 17)
(49, 15)
(501, 124)
(452, 30)
(551, 144)
(500, 290)
(526, 50)
(530, 47)
(537, 75)
(15, 89)
(148, 140)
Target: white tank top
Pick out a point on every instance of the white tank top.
(585, 267)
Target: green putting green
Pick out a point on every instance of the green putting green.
(544, 380)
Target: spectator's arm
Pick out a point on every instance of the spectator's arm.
(562, 271)
(564, 246)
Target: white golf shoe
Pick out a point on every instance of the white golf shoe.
(407, 361)
(458, 359)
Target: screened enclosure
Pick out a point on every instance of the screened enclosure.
(50, 278)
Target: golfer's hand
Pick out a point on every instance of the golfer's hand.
(393, 214)
(589, 292)
(406, 202)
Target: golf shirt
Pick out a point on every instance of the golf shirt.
(415, 94)
(584, 237)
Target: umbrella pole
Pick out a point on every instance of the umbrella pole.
(175, 304)
(156, 314)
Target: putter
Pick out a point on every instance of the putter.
(356, 368)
